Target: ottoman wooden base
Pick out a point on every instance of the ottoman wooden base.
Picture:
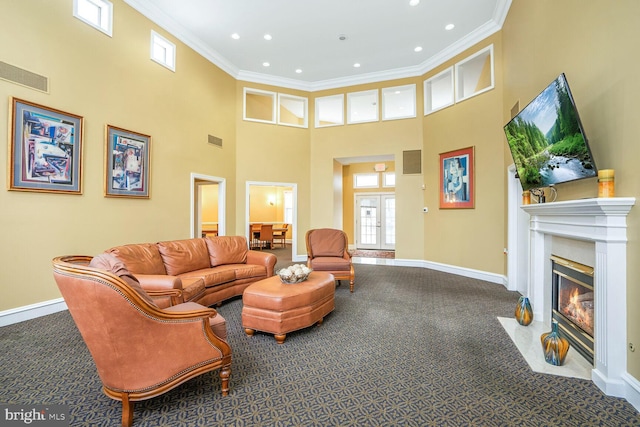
(278, 308)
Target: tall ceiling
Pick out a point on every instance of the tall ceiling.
(323, 39)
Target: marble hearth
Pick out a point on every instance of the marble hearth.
(603, 222)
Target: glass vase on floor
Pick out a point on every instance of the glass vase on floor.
(524, 314)
(555, 347)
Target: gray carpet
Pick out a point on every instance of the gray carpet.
(411, 347)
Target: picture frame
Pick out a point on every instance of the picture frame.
(45, 150)
(457, 180)
(127, 163)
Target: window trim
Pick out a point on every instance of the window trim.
(411, 112)
(272, 95)
(158, 40)
(428, 91)
(305, 117)
(459, 76)
(355, 180)
(318, 107)
(352, 95)
(104, 6)
(384, 179)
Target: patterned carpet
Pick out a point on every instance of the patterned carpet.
(411, 347)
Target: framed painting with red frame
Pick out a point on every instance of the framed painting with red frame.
(457, 179)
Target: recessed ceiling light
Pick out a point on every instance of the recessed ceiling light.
(414, 2)
(235, 36)
(418, 49)
(342, 37)
(298, 70)
(267, 37)
(356, 65)
(449, 27)
(265, 64)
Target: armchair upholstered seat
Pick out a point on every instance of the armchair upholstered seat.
(327, 250)
(140, 350)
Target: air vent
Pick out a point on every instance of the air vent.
(411, 162)
(22, 77)
(215, 140)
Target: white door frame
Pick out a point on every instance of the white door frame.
(196, 204)
(381, 219)
(294, 231)
(517, 237)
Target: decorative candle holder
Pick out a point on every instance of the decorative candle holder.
(526, 197)
(606, 183)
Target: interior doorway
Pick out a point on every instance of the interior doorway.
(375, 221)
(203, 200)
(274, 203)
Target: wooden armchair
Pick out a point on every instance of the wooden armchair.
(327, 250)
(140, 351)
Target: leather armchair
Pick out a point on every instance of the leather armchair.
(140, 350)
(327, 250)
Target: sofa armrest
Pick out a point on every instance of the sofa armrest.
(262, 258)
(161, 286)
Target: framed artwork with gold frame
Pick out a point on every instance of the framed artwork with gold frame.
(127, 163)
(45, 150)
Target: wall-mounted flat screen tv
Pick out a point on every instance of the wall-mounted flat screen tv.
(547, 141)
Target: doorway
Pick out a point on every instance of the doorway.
(375, 221)
(202, 199)
(274, 203)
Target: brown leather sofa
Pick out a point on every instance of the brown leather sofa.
(205, 270)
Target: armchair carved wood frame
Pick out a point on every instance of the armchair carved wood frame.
(140, 351)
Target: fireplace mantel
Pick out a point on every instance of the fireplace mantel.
(604, 222)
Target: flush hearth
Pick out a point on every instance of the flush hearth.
(573, 305)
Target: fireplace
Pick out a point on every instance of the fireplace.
(572, 303)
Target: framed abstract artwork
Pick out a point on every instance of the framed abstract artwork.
(127, 163)
(45, 150)
(457, 179)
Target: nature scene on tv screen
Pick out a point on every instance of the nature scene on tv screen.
(546, 140)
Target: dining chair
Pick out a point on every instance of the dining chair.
(281, 235)
(266, 236)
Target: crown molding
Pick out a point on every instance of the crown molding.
(149, 10)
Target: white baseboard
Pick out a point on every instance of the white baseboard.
(33, 311)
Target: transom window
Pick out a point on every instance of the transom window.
(365, 180)
(97, 13)
(163, 51)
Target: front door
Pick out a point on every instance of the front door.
(375, 221)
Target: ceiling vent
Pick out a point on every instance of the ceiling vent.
(215, 140)
(23, 77)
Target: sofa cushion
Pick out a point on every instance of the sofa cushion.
(113, 265)
(227, 250)
(249, 271)
(330, 264)
(142, 258)
(181, 256)
(211, 276)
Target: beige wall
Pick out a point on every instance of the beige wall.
(107, 80)
(595, 45)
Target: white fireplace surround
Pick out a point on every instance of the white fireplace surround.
(602, 221)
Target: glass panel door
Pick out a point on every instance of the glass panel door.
(375, 221)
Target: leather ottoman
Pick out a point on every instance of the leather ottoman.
(279, 308)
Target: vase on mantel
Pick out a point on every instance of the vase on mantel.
(524, 314)
(555, 347)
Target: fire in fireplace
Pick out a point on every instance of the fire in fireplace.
(572, 303)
